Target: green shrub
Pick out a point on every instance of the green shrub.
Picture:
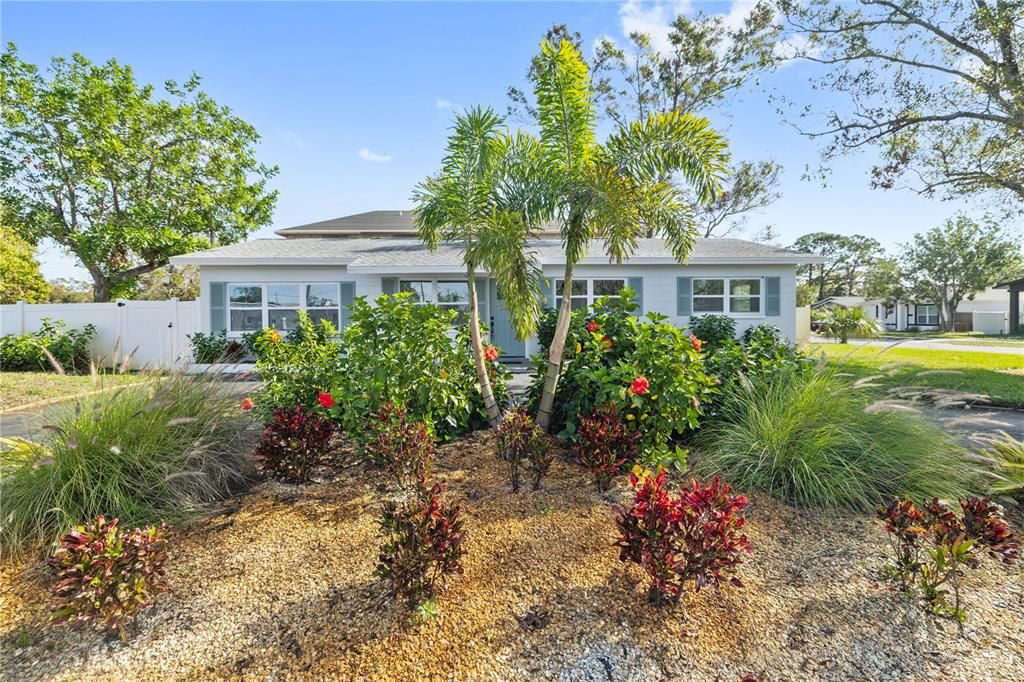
(401, 353)
(210, 348)
(297, 368)
(142, 454)
(845, 323)
(715, 330)
(764, 350)
(808, 437)
(53, 344)
(105, 576)
(648, 369)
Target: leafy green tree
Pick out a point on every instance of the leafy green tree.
(960, 258)
(69, 290)
(119, 176)
(463, 204)
(170, 281)
(936, 87)
(846, 259)
(613, 192)
(884, 279)
(20, 278)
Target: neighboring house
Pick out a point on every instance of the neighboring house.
(320, 267)
(986, 312)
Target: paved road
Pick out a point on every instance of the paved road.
(930, 344)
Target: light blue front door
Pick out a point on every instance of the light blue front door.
(502, 334)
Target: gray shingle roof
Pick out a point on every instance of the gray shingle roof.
(369, 224)
(377, 255)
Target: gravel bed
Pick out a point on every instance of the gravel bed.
(280, 585)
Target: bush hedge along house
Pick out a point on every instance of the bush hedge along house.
(320, 267)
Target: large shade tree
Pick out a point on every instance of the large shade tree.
(474, 202)
(20, 278)
(120, 176)
(613, 192)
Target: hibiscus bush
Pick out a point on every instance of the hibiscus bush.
(293, 443)
(521, 443)
(604, 444)
(104, 576)
(423, 544)
(406, 354)
(714, 329)
(691, 538)
(399, 448)
(647, 368)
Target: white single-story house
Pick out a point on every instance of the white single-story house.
(987, 312)
(320, 267)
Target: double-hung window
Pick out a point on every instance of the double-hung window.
(255, 306)
(928, 314)
(738, 296)
(450, 294)
(586, 291)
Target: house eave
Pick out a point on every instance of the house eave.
(190, 260)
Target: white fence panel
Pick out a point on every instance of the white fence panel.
(152, 333)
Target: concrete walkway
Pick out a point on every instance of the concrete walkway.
(927, 344)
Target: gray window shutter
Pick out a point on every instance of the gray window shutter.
(684, 296)
(637, 285)
(389, 285)
(772, 296)
(218, 307)
(348, 292)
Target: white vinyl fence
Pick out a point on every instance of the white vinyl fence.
(152, 333)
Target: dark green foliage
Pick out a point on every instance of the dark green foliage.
(52, 346)
(713, 330)
(215, 347)
(296, 368)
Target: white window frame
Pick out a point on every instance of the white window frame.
(726, 296)
(265, 305)
(434, 281)
(919, 317)
(590, 295)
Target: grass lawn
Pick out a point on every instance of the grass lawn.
(997, 375)
(22, 388)
(1004, 342)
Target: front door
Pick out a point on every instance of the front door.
(502, 334)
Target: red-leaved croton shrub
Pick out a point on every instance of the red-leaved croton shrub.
(400, 448)
(104, 575)
(604, 443)
(932, 547)
(521, 443)
(423, 544)
(691, 538)
(293, 443)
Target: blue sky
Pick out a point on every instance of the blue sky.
(353, 99)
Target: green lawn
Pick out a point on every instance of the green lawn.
(22, 388)
(1005, 342)
(997, 375)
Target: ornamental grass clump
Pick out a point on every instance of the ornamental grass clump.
(399, 448)
(521, 443)
(104, 576)
(604, 444)
(691, 538)
(144, 453)
(1005, 455)
(294, 443)
(423, 545)
(932, 546)
(808, 436)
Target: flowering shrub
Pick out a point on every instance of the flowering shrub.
(691, 538)
(423, 545)
(296, 370)
(293, 443)
(933, 546)
(648, 369)
(520, 440)
(714, 330)
(399, 448)
(52, 344)
(604, 443)
(105, 576)
(402, 353)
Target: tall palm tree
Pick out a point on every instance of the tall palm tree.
(613, 192)
(475, 202)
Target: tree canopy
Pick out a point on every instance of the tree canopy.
(20, 278)
(120, 176)
(847, 259)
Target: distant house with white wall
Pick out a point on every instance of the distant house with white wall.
(319, 268)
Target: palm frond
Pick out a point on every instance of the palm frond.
(502, 248)
(565, 110)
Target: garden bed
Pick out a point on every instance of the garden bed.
(280, 582)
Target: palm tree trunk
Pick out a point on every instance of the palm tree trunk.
(493, 413)
(547, 398)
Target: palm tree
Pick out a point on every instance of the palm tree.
(472, 201)
(843, 323)
(614, 191)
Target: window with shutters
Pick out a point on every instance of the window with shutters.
(252, 307)
(736, 296)
(586, 291)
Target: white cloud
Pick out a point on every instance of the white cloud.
(295, 139)
(654, 19)
(366, 155)
(443, 103)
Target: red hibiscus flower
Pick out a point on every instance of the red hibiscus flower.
(697, 343)
(491, 353)
(592, 326)
(640, 385)
(247, 404)
(325, 399)
(607, 343)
